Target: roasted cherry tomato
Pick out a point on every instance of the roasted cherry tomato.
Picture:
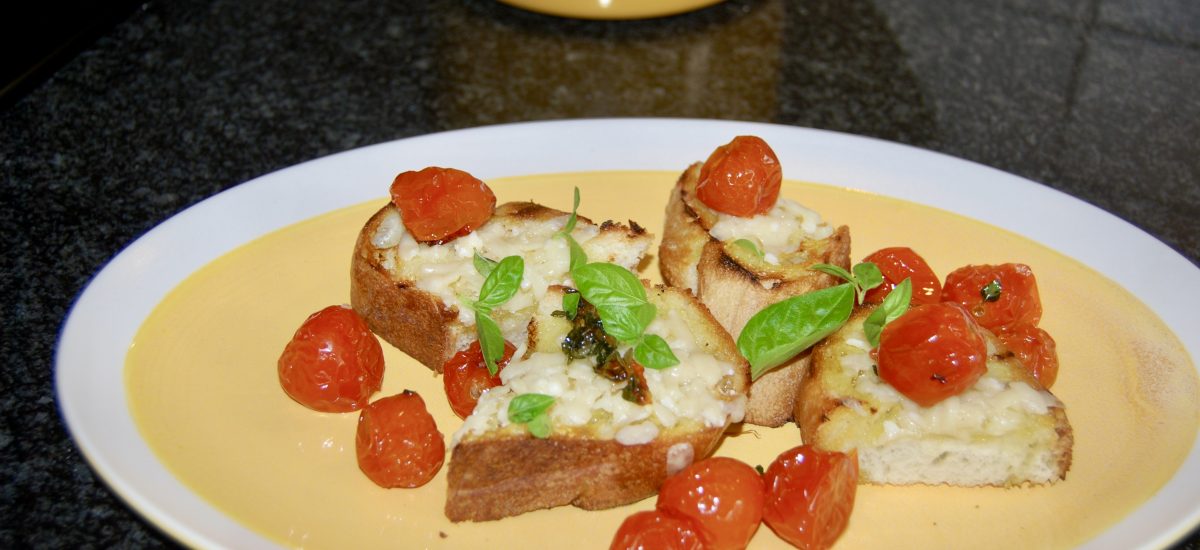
(439, 205)
(741, 178)
(723, 495)
(900, 263)
(398, 443)
(932, 352)
(997, 296)
(1036, 350)
(466, 376)
(657, 530)
(809, 495)
(333, 363)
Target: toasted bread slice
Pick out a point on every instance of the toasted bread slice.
(603, 450)
(735, 282)
(409, 293)
(1006, 430)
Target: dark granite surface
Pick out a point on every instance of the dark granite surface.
(182, 99)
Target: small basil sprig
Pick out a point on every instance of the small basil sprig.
(484, 265)
(781, 330)
(865, 277)
(894, 305)
(749, 246)
(530, 409)
(571, 305)
(501, 282)
(578, 257)
(620, 300)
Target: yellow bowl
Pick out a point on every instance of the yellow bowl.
(611, 9)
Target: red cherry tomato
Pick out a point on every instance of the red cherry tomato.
(657, 530)
(465, 377)
(439, 205)
(741, 178)
(723, 495)
(900, 263)
(932, 352)
(1035, 349)
(809, 495)
(996, 295)
(333, 363)
(398, 443)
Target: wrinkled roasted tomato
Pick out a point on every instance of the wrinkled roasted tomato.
(741, 178)
(657, 530)
(997, 296)
(439, 205)
(398, 443)
(465, 377)
(932, 352)
(809, 495)
(723, 495)
(900, 263)
(1035, 349)
(333, 362)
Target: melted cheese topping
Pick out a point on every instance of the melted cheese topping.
(992, 407)
(691, 391)
(448, 270)
(778, 232)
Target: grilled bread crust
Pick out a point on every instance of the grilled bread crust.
(833, 414)
(506, 471)
(420, 323)
(735, 284)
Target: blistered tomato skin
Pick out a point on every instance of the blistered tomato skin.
(1035, 349)
(465, 377)
(810, 495)
(932, 352)
(741, 178)
(724, 496)
(438, 205)
(333, 363)
(657, 530)
(1012, 300)
(900, 263)
(398, 443)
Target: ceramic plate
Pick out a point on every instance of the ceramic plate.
(96, 337)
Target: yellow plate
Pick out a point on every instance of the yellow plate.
(202, 389)
(611, 9)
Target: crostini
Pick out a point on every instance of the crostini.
(1002, 428)
(580, 421)
(413, 287)
(738, 263)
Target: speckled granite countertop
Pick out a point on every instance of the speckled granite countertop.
(1097, 98)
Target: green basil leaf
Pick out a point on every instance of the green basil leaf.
(527, 406)
(571, 220)
(502, 283)
(491, 340)
(653, 352)
(626, 323)
(893, 306)
(750, 246)
(607, 285)
(834, 270)
(483, 265)
(570, 226)
(571, 304)
(578, 256)
(539, 427)
(867, 275)
(784, 329)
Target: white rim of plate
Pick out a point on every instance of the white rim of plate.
(90, 355)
